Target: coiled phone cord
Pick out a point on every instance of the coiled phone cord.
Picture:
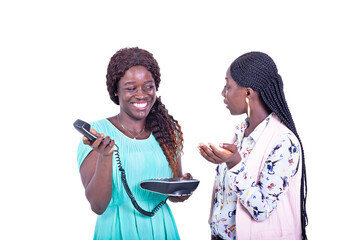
(128, 191)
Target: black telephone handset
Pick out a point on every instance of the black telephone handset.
(84, 129)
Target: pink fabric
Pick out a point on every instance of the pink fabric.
(285, 221)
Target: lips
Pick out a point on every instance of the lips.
(140, 105)
(226, 103)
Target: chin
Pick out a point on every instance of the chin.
(141, 115)
(232, 112)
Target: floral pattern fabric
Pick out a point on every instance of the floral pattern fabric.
(260, 195)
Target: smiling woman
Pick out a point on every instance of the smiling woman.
(136, 93)
(149, 142)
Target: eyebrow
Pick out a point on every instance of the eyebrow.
(148, 81)
(129, 83)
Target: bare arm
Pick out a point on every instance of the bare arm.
(96, 173)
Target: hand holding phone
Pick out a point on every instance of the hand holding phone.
(105, 146)
(84, 129)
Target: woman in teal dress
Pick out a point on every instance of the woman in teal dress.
(149, 143)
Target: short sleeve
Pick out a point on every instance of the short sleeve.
(82, 152)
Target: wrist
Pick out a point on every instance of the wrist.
(232, 163)
(105, 157)
(108, 154)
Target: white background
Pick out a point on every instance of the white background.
(53, 60)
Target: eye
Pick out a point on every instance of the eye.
(130, 89)
(149, 87)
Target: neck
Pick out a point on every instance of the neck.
(131, 124)
(255, 119)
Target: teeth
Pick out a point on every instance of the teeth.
(140, 105)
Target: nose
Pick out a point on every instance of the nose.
(140, 94)
(224, 92)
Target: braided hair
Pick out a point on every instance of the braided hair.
(259, 72)
(164, 127)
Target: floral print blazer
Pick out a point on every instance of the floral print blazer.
(260, 195)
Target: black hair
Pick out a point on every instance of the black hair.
(259, 72)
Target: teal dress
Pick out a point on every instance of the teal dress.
(141, 159)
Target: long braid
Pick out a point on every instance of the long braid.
(258, 71)
(282, 111)
(167, 132)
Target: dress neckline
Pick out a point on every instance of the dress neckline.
(127, 137)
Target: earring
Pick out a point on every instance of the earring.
(248, 107)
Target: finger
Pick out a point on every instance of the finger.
(201, 148)
(99, 135)
(230, 147)
(214, 148)
(183, 198)
(107, 146)
(95, 144)
(110, 148)
(93, 131)
(205, 155)
(216, 151)
(174, 199)
(220, 154)
(187, 176)
(86, 141)
(179, 198)
(103, 144)
(205, 148)
(209, 152)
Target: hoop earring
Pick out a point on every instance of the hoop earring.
(248, 107)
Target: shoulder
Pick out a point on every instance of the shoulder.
(100, 122)
(101, 125)
(288, 137)
(286, 146)
(285, 136)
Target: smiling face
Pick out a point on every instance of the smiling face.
(136, 92)
(234, 96)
